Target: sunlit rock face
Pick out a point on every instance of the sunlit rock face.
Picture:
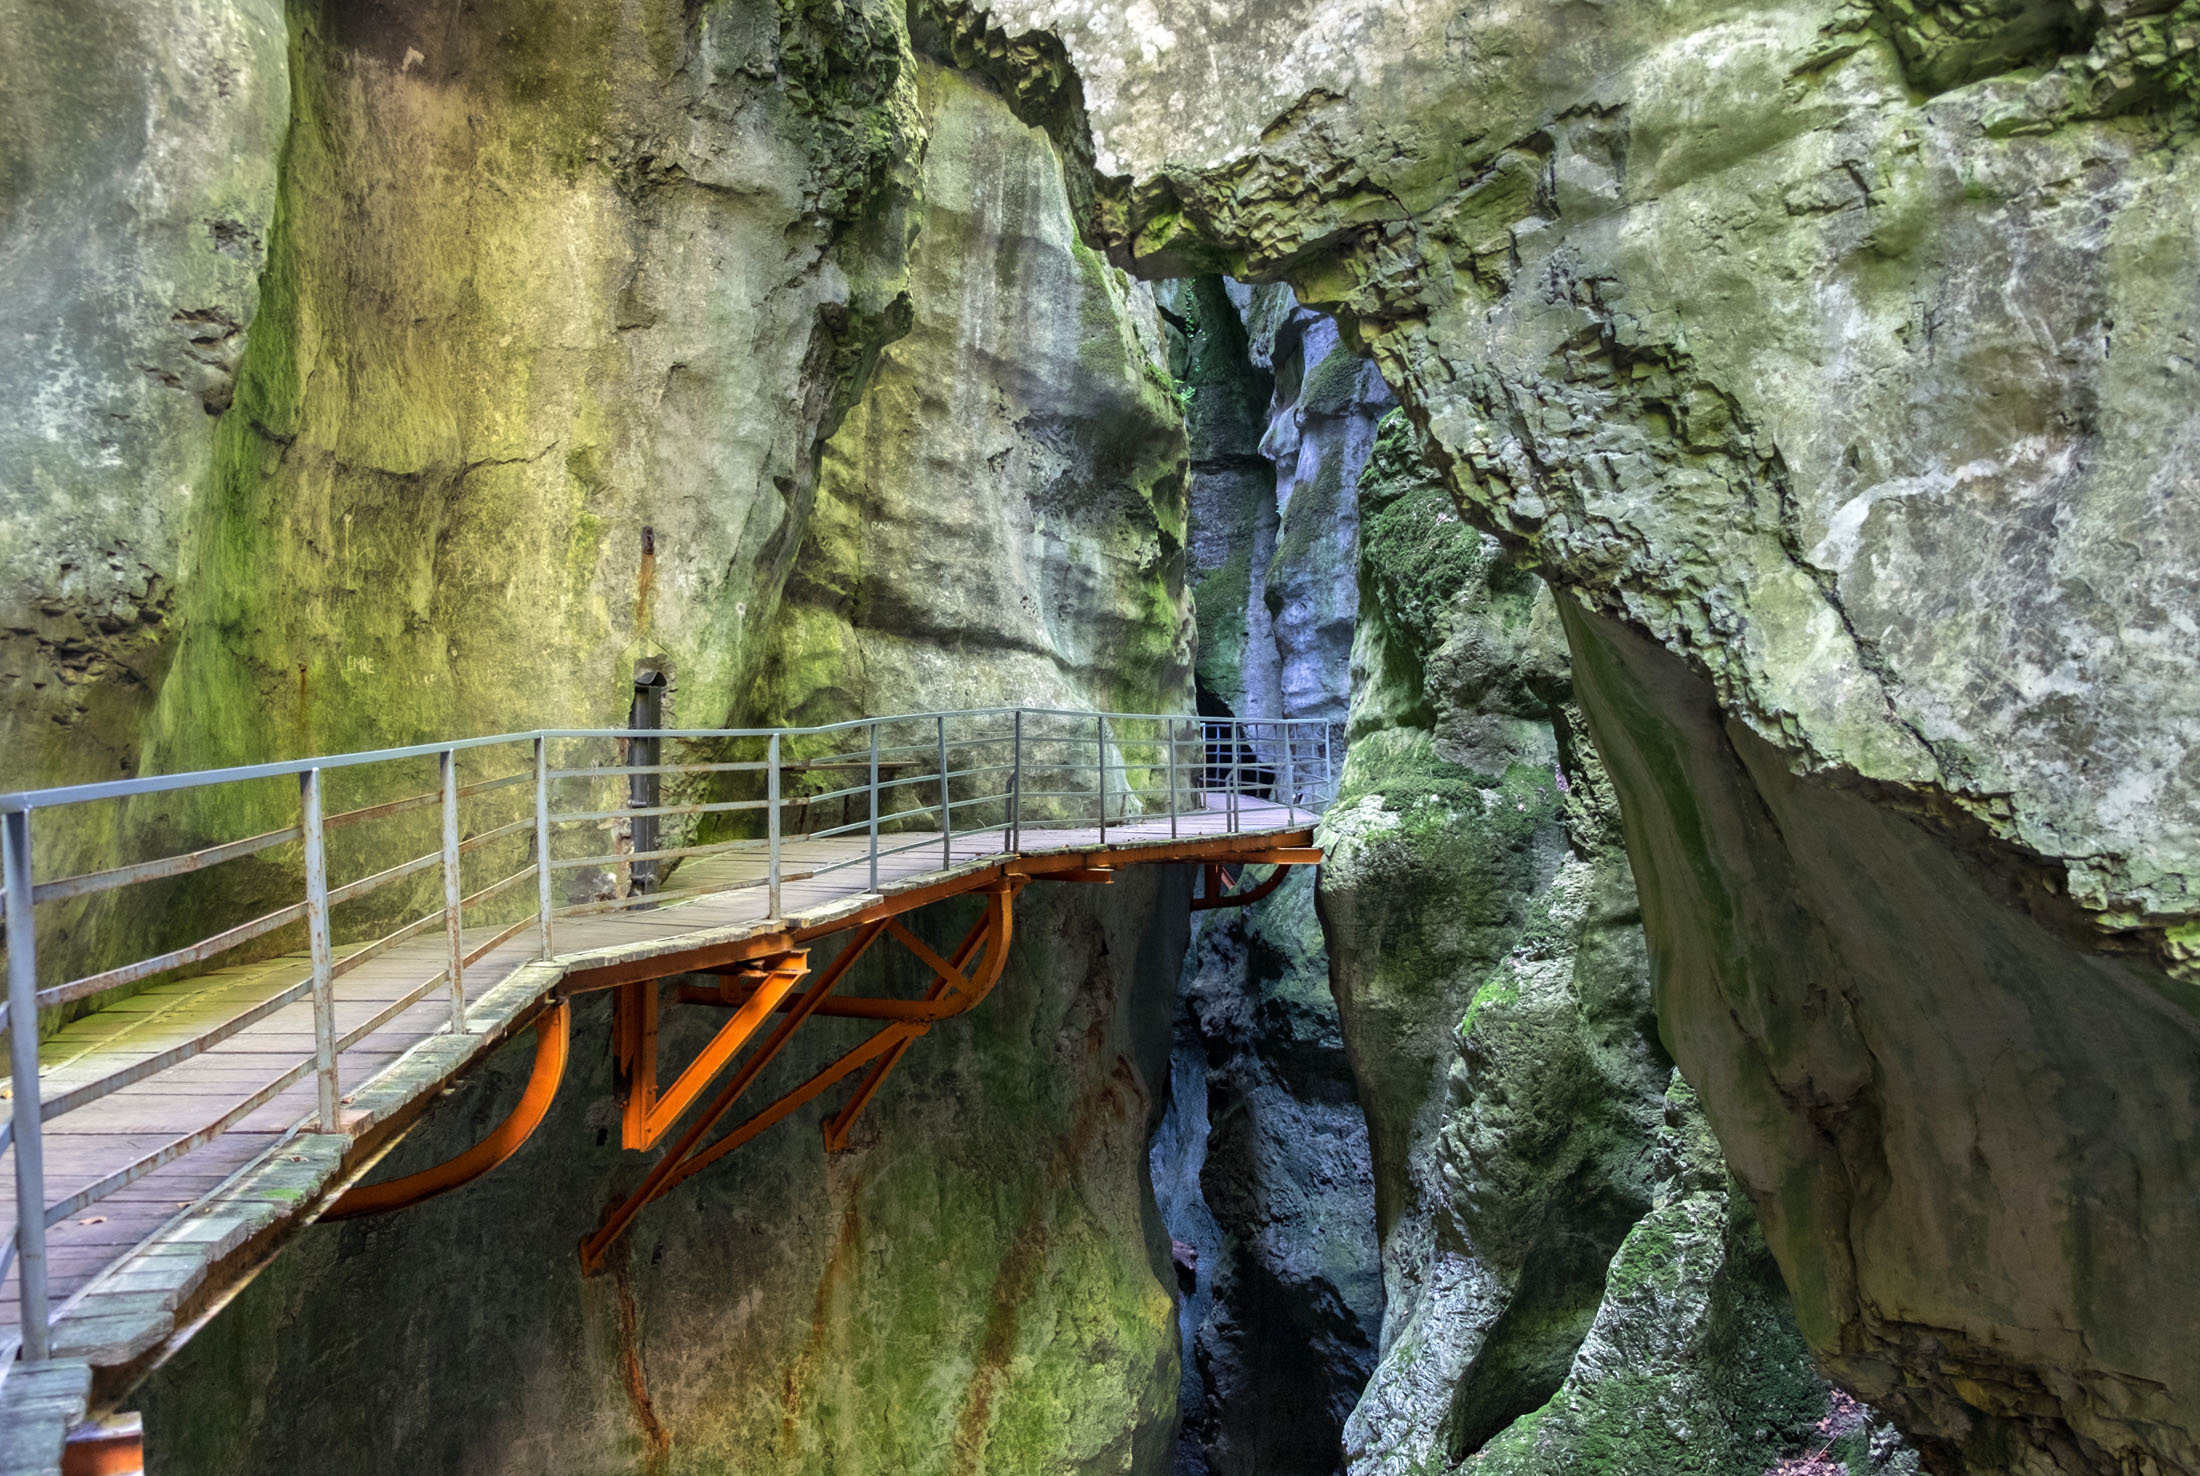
(1833, 361)
(1001, 519)
(981, 1282)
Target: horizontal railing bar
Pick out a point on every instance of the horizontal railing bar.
(160, 783)
(199, 952)
(92, 882)
(523, 874)
(491, 837)
(74, 794)
(621, 859)
(623, 771)
(123, 1178)
(176, 1055)
(392, 1010)
(384, 944)
(507, 935)
(716, 807)
(366, 884)
(827, 797)
(197, 1046)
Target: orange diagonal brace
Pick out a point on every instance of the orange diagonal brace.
(553, 1043)
(664, 1174)
(658, 1113)
(993, 932)
(891, 1041)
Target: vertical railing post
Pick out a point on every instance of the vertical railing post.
(874, 804)
(1100, 761)
(542, 843)
(30, 1139)
(1329, 774)
(1237, 768)
(1016, 788)
(453, 896)
(947, 804)
(771, 823)
(1290, 784)
(317, 943)
(1172, 777)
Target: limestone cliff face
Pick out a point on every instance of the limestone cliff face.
(1001, 519)
(138, 149)
(1833, 361)
(1572, 1280)
(536, 319)
(981, 1282)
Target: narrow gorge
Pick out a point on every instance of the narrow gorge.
(1689, 515)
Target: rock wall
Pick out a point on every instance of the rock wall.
(977, 1285)
(1266, 1151)
(1262, 1165)
(981, 1283)
(1001, 519)
(508, 297)
(1832, 358)
(1572, 1280)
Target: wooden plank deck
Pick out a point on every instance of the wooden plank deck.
(121, 1269)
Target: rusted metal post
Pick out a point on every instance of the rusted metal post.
(542, 842)
(771, 823)
(874, 804)
(1016, 788)
(643, 790)
(317, 942)
(947, 805)
(30, 1141)
(1172, 778)
(1100, 760)
(453, 895)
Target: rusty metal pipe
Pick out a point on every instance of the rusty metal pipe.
(553, 1043)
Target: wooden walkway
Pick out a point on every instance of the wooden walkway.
(121, 1271)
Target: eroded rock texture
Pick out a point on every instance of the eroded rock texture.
(1573, 1282)
(1262, 1167)
(982, 1282)
(1286, 1296)
(1835, 361)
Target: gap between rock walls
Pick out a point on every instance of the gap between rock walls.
(1435, 1193)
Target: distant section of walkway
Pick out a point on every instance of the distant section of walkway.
(184, 1130)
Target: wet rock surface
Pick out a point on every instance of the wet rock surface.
(1833, 356)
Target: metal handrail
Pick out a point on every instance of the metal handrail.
(1064, 767)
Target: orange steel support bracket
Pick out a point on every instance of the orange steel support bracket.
(647, 1116)
(553, 1043)
(1213, 889)
(958, 986)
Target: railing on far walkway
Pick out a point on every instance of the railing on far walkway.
(521, 807)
